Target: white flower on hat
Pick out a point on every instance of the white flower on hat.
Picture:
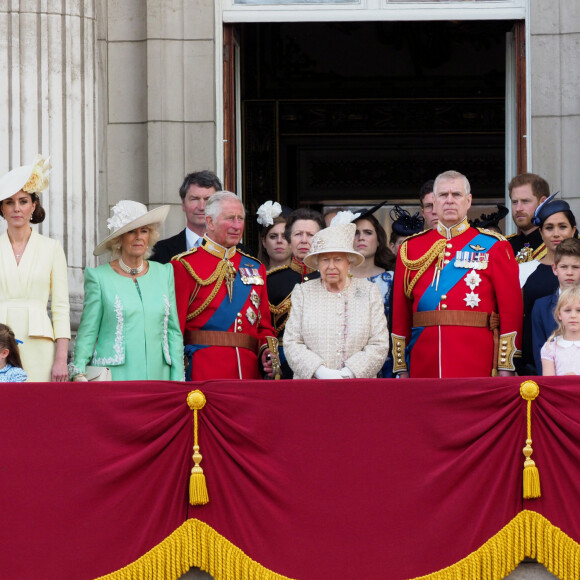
(343, 217)
(119, 218)
(267, 212)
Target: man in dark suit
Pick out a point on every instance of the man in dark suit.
(196, 189)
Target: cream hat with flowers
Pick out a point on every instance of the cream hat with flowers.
(29, 178)
(129, 215)
(335, 238)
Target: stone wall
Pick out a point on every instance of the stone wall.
(555, 95)
(160, 98)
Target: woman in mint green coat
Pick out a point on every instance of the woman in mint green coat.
(129, 321)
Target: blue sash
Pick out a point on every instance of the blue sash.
(448, 278)
(226, 313)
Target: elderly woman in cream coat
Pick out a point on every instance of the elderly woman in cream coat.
(337, 328)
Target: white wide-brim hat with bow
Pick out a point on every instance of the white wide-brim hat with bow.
(129, 215)
(31, 178)
(334, 239)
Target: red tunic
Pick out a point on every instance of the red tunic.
(458, 351)
(252, 318)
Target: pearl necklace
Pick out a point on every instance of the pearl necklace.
(131, 271)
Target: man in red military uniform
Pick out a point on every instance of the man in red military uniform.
(222, 300)
(457, 302)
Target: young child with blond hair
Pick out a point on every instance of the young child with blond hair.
(561, 353)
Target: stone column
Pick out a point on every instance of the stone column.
(555, 95)
(48, 105)
(160, 99)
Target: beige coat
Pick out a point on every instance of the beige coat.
(25, 289)
(336, 330)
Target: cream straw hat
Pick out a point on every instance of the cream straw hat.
(337, 238)
(129, 215)
(31, 178)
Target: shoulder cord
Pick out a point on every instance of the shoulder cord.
(224, 269)
(420, 265)
(279, 311)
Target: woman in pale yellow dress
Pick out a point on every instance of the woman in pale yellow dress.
(32, 270)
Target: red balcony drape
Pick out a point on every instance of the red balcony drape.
(309, 479)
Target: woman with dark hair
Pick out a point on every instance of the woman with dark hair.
(33, 270)
(274, 250)
(370, 240)
(557, 223)
(301, 226)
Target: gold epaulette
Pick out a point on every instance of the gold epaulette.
(510, 236)
(186, 253)
(539, 252)
(416, 235)
(491, 233)
(249, 256)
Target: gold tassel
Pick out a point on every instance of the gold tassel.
(197, 486)
(529, 390)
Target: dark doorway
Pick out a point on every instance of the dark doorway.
(357, 112)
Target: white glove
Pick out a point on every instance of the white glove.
(323, 373)
(346, 373)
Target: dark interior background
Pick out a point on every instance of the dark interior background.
(358, 112)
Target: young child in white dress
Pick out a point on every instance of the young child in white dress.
(10, 364)
(561, 353)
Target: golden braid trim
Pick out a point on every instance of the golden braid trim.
(220, 271)
(283, 307)
(218, 276)
(278, 312)
(420, 265)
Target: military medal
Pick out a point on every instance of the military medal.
(251, 276)
(254, 298)
(471, 260)
(472, 299)
(473, 280)
(525, 254)
(251, 315)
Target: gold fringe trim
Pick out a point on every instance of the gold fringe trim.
(194, 543)
(530, 535)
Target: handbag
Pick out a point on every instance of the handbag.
(98, 373)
